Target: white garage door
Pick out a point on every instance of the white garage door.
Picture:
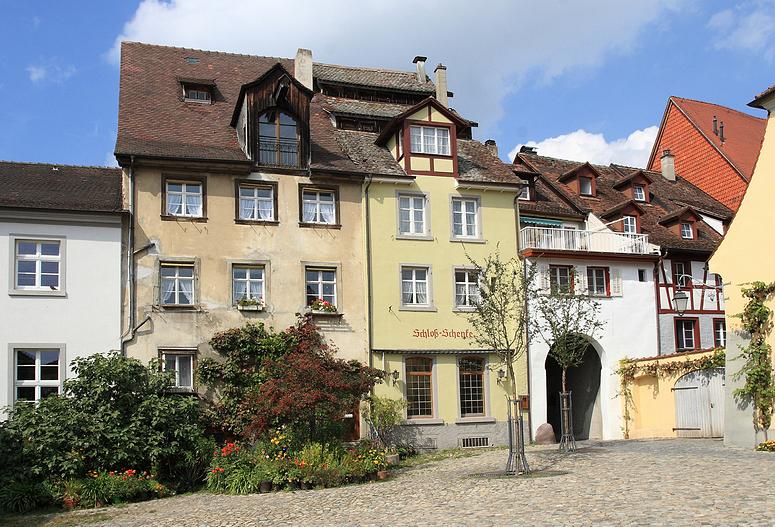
(699, 404)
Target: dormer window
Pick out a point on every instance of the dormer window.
(687, 231)
(639, 193)
(278, 139)
(432, 140)
(585, 186)
(524, 194)
(630, 224)
(197, 93)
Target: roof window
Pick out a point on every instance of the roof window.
(197, 93)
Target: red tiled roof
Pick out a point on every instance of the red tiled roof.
(667, 198)
(60, 187)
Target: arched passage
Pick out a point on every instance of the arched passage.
(584, 384)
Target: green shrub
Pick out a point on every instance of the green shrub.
(23, 496)
(384, 415)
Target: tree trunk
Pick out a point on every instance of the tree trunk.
(564, 379)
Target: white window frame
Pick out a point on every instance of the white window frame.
(629, 224)
(429, 140)
(256, 199)
(720, 332)
(177, 279)
(319, 283)
(464, 217)
(524, 193)
(248, 280)
(681, 326)
(556, 289)
(592, 280)
(177, 354)
(413, 231)
(687, 231)
(585, 179)
(428, 304)
(188, 90)
(316, 201)
(184, 193)
(37, 289)
(37, 383)
(467, 304)
(639, 192)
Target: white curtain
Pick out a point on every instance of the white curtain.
(422, 294)
(168, 291)
(239, 291)
(406, 292)
(460, 294)
(186, 291)
(265, 210)
(327, 213)
(194, 205)
(174, 204)
(256, 290)
(309, 212)
(246, 209)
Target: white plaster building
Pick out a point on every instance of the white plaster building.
(611, 232)
(61, 280)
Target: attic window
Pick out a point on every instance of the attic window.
(524, 194)
(192, 60)
(639, 193)
(585, 186)
(197, 93)
(687, 232)
(432, 140)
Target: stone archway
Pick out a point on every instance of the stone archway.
(584, 383)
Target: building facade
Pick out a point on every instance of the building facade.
(744, 256)
(611, 232)
(715, 147)
(61, 242)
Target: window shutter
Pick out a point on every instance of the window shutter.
(581, 284)
(616, 282)
(543, 277)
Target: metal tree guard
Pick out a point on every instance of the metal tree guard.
(517, 463)
(567, 440)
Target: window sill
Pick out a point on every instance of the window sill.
(181, 391)
(462, 309)
(418, 238)
(308, 225)
(37, 292)
(418, 308)
(179, 307)
(240, 221)
(334, 314)
(423, 422)
(454, 239)
(167, 217)
(474, 420)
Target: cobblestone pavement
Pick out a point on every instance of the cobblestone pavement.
(667, 482)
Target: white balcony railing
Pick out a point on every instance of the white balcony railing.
(556, 239)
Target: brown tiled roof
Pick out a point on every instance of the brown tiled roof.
(667, 197)
(366, 156)
(476, 164)
(341, 106)
(60, 187)
(743, 133)
(372, 77)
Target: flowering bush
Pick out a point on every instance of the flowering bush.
(767, 446)
(371, 456)
(108, 488)
(322, 305)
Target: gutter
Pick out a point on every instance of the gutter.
(369, 285)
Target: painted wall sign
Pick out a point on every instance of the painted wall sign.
(444, 333)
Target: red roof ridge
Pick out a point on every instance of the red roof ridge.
(744, 114)
(65, 165)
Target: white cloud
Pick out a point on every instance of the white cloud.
(110, 160)
(581, 145)
(489, 47)
(749, 26)
(49, 70)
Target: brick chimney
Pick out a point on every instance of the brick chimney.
(419, 61)
(492, 146)
(441, 85)
(302, 67)
(667, 162)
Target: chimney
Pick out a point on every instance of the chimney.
(524, 149)
(441, 86)
(492, 146)
(721, 131)
(668, 165)
(715, 125)
(420, 62)
(302, 67)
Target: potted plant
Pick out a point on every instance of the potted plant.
(322, 306)
(250, 304)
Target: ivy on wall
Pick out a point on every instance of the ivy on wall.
(630, 369)
(759, 387)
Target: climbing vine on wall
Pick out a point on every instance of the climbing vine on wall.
(630, 369)
(759, 387)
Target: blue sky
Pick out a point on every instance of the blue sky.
(593, 75)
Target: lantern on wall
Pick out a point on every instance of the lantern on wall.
(680, 302)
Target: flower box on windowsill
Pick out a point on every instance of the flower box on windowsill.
(319, 313)
(250, 307)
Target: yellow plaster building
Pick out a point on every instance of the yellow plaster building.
(747, 254)
(455, 202)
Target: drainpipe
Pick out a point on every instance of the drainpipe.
(369, 287)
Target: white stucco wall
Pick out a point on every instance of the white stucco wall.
(87, 319)
(630, 331)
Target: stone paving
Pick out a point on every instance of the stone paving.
(667, 482)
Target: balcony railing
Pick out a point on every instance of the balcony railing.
(556, 239)
(284, 153)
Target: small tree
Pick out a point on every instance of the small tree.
(500, 322)
(384, 415)
(565, 317)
